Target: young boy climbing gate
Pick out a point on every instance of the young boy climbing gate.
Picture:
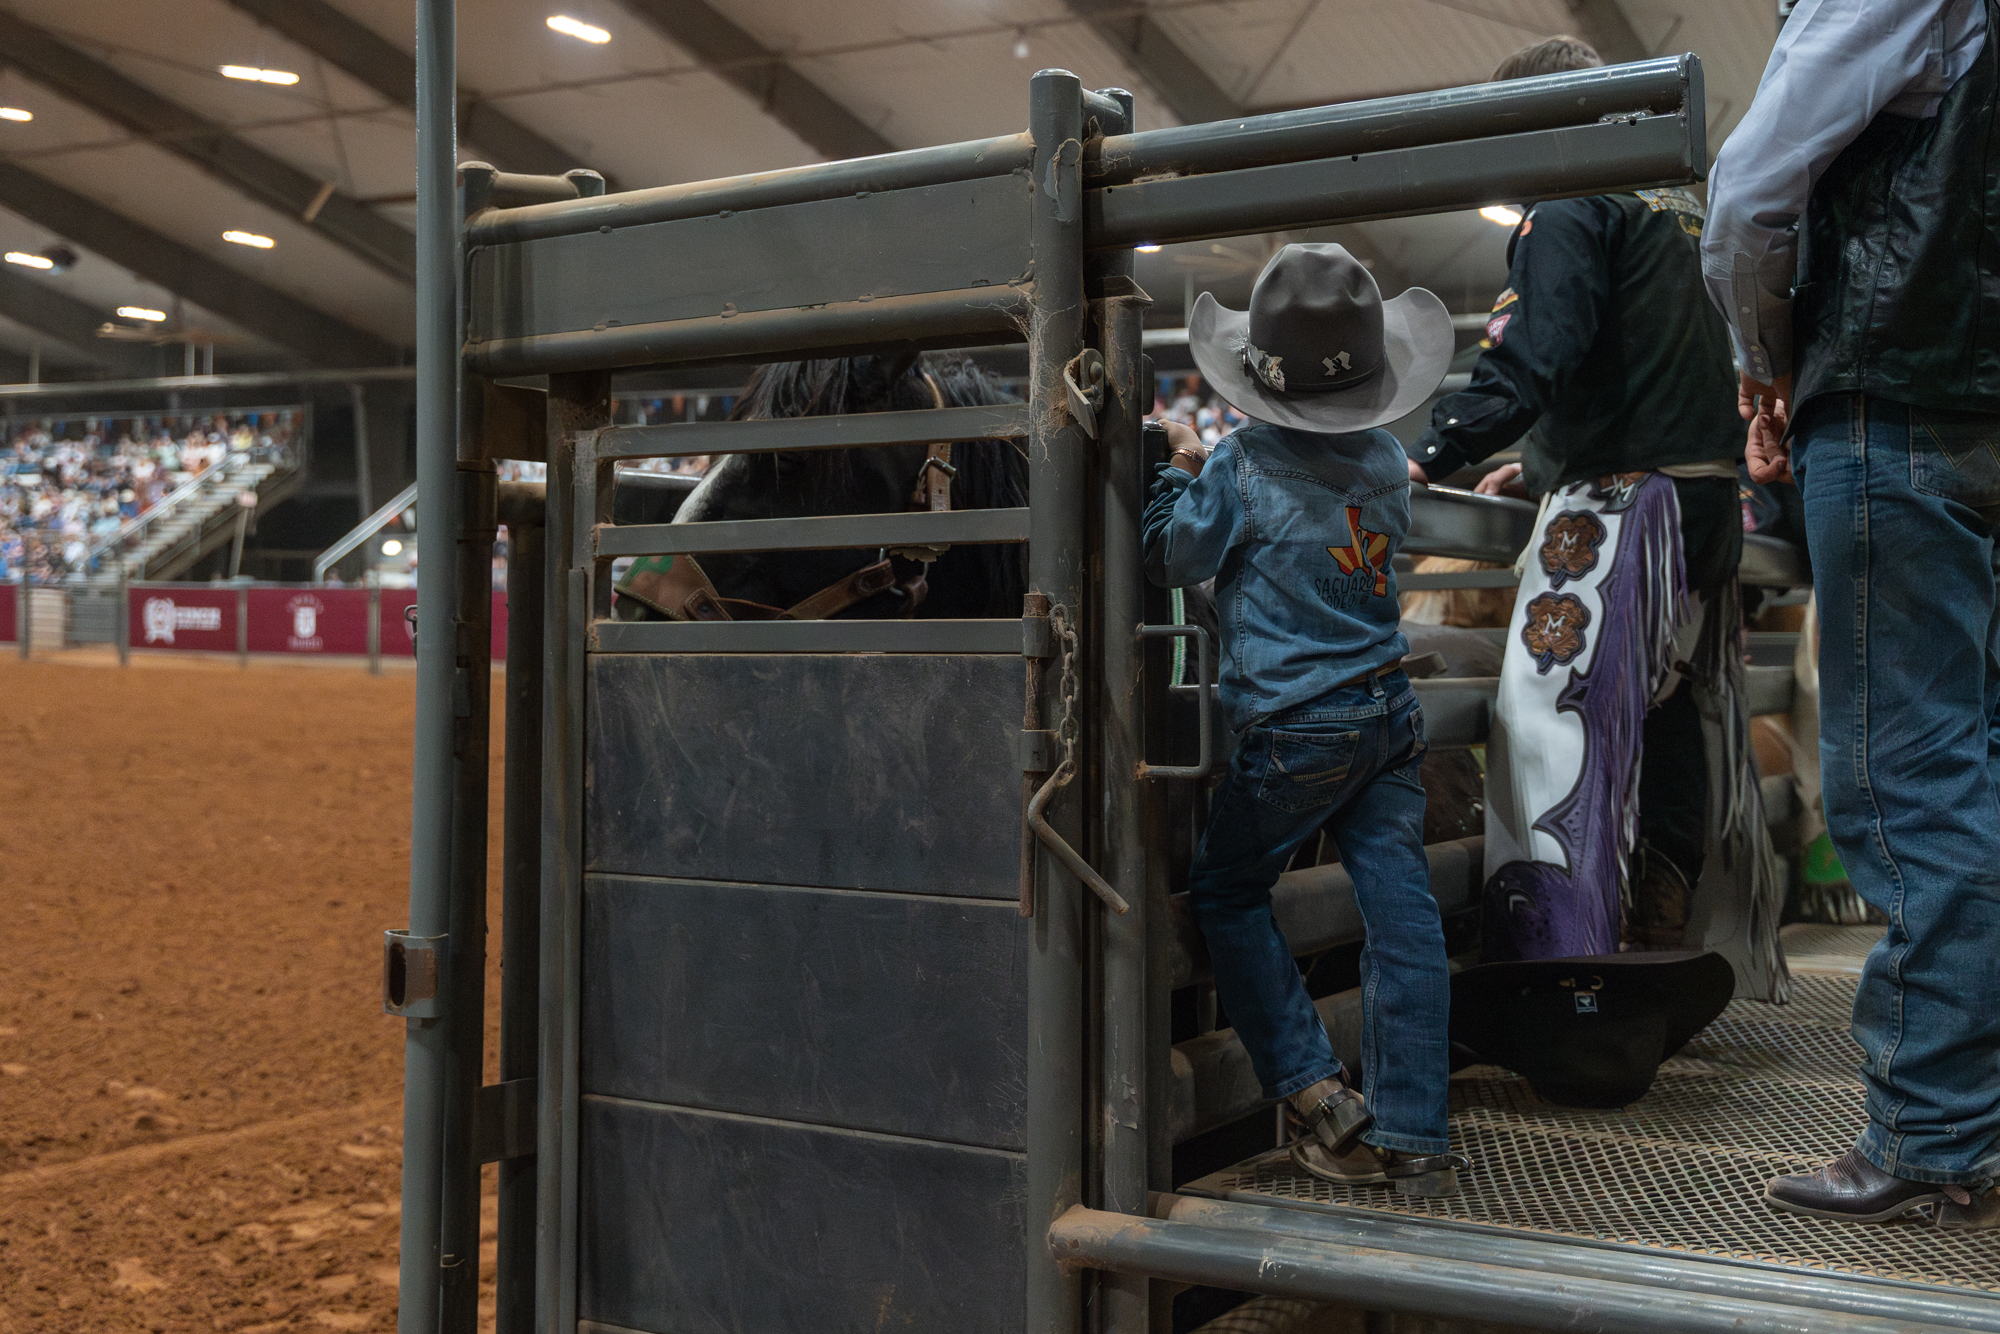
(1296, 517)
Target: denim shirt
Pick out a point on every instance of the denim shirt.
(1297, 529)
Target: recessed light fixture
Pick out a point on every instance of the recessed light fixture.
(1147, 249)
(28, 261)
(251, 74)
(1502, 214)
(15, 113)
(141, 313)
(578, 29)
(249, 239)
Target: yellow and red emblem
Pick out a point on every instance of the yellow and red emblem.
(1364, 551)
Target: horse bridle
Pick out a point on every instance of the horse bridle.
(679, 589)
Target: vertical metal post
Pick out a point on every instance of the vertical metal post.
(124, 630)
(1117, 313)
(374, 578)
(577, 402)
(520, 910)
(424, 1045)
(464, 982)
(24, 612)
(362, 485)
(242, 626)
(1057, 475)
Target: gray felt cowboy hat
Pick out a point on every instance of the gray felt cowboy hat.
(1319, 349)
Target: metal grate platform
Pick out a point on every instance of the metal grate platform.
(1765, 1090)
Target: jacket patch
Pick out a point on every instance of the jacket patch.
(1496, 329)
(1365, 553)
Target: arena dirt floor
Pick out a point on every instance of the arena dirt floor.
(200, 1098)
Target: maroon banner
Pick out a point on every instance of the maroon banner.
(396, 630)
(308, 620)
(183, 617)
(7, 622)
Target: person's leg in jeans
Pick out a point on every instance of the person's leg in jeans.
(1405, 979)
(1901, 507)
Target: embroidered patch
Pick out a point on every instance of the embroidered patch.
(1508, 296)
(1364, 551)
(1554, 630)
(1570, 549)
(1618, 490)
(1496, 327)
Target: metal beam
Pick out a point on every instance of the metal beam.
(1604, 25)
(1176, 78)
(70, 322)
(270, 180)
(786, 95)
(369, 58)
(283, 319)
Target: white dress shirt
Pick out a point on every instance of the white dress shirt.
(1837, 65)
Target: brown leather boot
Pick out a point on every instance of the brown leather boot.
(1334, 1114)
(1658, 902)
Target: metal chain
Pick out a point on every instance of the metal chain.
(1066, 727)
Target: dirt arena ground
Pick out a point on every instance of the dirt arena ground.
(200, 1098)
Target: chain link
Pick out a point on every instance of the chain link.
(1066, 687)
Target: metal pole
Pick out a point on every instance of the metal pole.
(521, 895)
(374, 622)
(124, 631)
(24, 620)
(424, 1055)
(362, 481)
(242, 627)
(1057, 475)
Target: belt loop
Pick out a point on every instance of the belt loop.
(1375, 683)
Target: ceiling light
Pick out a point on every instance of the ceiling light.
(251, 74)
(392, 548)
(1021, 46)
(1502, 214)
(570, 27)
(27, 261)
(15, 113)
(249, 239)
(1147, 249)
(141, 313)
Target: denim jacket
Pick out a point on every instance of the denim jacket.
(1297, 529)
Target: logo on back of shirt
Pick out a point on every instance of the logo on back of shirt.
(1366, 555)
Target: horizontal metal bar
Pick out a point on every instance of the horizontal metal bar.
(816, 532)
(1250, 1260)
(1926, 1305)
(1771, 563)
(1445, 521)
(1418, 583)
(1770, 689)
(1458, 710)
(1315, 910)
(985, 636)
(1579, 97)
(796, 185)
(1214, 1083)
(1545, 164)
(1000, 421)
(963, 318)
(231, 380)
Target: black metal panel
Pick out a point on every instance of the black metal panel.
(817, 532)
(889, 1012)
(934, 239)
(692, 1221)
(892, 772)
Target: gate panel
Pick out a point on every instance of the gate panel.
(705, 1222)
(885, 1012)
(876, 771)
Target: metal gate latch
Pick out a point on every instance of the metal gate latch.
(1086, 397)
(411, 967)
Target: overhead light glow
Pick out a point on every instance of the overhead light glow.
(251, 74)
(28, 261)
(249, 239)
(141, 313)
(15, 113)
(1500, 213)
(392, 548)
(1148, 249)
(570, 27)
(1021, 47)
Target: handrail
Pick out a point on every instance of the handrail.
(364, 530)
(134, 526)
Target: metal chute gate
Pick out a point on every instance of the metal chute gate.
(779, 1050)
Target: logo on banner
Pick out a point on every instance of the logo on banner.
(161, 618)
(305, 610)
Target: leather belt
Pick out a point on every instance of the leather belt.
(1368, 675)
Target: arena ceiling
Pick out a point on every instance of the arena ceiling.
(141, 153)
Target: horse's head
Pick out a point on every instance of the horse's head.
(861, 481)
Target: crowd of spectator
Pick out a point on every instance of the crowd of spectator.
(1184, 399)
(67, 488)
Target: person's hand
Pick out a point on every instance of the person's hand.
(1767, 407)
(1417, 474)
(1189, 453)
(1504, 480)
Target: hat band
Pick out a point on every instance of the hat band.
(1269, 371)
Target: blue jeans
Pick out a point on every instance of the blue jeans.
(1348, 760)
(1902, 510)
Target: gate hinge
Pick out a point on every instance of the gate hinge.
(504, 1121)
(411, 969)
(1038, 638)
(1038, 752)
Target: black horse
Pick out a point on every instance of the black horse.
(965, 581)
